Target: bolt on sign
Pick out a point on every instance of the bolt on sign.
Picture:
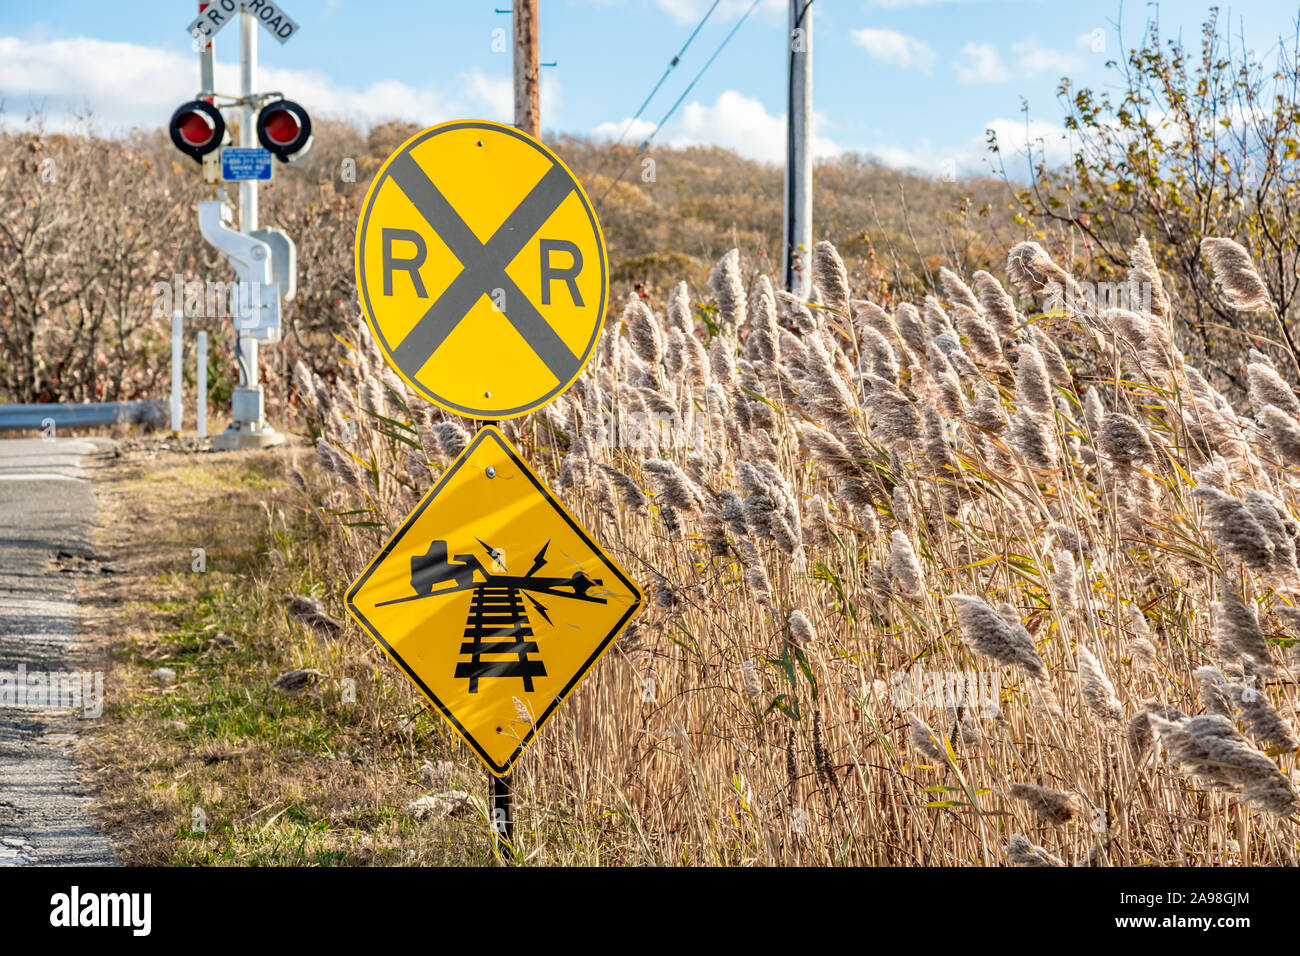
(481, 269)
(493, 600)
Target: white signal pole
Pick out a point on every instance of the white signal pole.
(247, 115)
(248, 187)
(248, 428)
(797, 234)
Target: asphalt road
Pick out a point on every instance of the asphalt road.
(47, 511)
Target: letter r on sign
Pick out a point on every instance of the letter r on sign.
(410, 266)
(567, 275)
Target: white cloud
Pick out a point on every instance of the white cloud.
(734, 121)
(633, 132)
(1049, 140)
(126, 85)
(1032, 59)
(895, 49)
(903, 4)
(1094, 41)
(983, 65)
(692, 11)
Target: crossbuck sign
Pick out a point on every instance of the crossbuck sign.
(481, 269)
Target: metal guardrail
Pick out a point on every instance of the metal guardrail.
(89, 415)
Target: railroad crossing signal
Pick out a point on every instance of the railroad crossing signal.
(481, 269)
(197, 128)
(493, 600)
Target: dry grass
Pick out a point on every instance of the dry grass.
(281, 779)
(1102, 515)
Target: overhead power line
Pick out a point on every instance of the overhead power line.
(672, 64)
(686, 92)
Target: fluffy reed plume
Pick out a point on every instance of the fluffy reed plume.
(728, 290)
(801, 628)
(1212, 687)
(1242, 287)
(878, 356)
(1237, 631)
(643, 332)
(372, 397)
(983, 341)
(1144, 275)
(1234, 528)
(1125, 442)
(925, 740)
(999, 307)
(1142, 653)
(1138, 732)
(679, 310)
(1031, 437)
(397, 397)
(910, 327)
(337, 463)
(1024, 853)
(1062, 584)
(1050, 806)
(1283, 433)
(305, 389)
(903, 566)
(893, 418)
(831, 277)
(722, 361)
(1269, 729)
(936, 319)
(1095, 687)
(956, 290)
(1033, 271)
(452, 438)
(989, 634)
(1033, 390)
(1208, 747)
(1267, 388)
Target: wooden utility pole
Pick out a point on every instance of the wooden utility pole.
(527, 107)
(798, 160)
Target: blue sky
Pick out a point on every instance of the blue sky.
(914, 82)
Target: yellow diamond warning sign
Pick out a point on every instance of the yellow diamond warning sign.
(493, 600)
(481, 269)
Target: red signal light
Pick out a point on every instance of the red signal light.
(197, 129)
(284, 128)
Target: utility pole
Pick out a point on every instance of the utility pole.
(797, 234)
(527, 108)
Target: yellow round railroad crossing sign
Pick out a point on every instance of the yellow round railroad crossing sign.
(481, 269)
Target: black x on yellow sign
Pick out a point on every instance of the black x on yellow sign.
(481, 269)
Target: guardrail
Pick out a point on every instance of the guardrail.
(89, 415)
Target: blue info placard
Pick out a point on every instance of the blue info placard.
(239, 163)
